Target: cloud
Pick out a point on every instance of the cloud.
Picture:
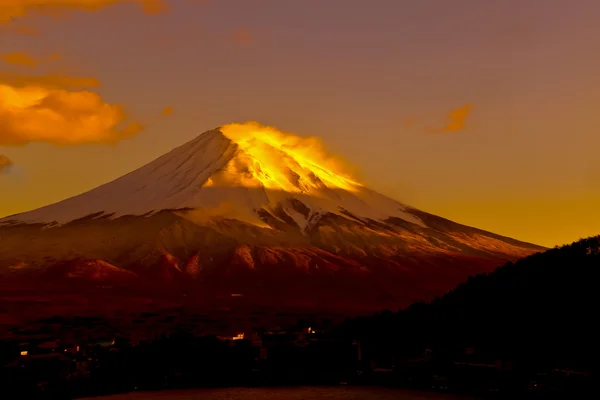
(153, 6)
(35, 113)
(5, 164)
(50, 81)
(167, 111)
(56, 108)
(409, 122)
(241, 36)
(456, 120)
(11, 9)
(18, 29)
(25, 60)
(20, 59)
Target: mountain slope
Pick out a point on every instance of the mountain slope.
(224, 178)
(248, 209)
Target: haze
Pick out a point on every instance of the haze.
(482, 112)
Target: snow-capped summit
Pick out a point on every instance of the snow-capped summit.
(230, 172)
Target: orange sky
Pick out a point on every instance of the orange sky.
(482, 112)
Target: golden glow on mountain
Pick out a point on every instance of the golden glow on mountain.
(282, 161)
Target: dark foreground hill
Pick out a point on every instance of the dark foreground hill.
(540, 313)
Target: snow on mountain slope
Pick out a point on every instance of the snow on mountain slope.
(230, 172)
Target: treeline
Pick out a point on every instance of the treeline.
(539, 312)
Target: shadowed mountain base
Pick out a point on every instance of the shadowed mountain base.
(338, 263)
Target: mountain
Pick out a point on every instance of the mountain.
(246, 209)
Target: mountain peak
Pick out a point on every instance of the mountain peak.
(230, 172)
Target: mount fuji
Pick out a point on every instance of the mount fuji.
(245, 209)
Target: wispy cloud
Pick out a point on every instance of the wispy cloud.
(456, 120)
(24, 59)
(18, 29)
(409, 122)
(12, 9)
(167, 111)
(50, 81)
(5, 164)
(242, 37)
(20, 59)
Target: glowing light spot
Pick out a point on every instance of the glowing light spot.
(282, 161)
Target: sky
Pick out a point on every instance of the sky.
(482, 112)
